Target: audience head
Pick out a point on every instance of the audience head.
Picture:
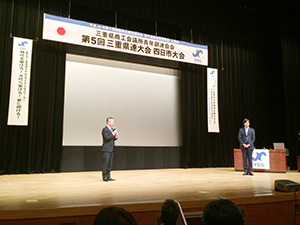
(114, 216)
(222, 212)
(169, 212)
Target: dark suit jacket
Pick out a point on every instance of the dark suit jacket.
(108, 140)
(247, 139)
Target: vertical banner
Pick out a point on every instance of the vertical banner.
(20, 81)
(212, 101)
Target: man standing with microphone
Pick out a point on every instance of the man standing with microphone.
(109, 135)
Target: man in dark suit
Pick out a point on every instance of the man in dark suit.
(247, 138)
(109, 135)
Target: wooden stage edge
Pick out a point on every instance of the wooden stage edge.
(75, 198)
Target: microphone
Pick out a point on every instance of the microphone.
(113, 128)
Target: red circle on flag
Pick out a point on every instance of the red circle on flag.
(61, 31)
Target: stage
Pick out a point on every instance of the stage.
(75, 198)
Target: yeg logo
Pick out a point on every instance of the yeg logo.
(23, 43)
(197, 55)
(258, 162)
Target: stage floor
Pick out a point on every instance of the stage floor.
(31, 195)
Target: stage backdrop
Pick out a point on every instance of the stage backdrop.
(256, 49)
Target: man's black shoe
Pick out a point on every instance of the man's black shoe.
(245, 173)
(105, 180)
(111, 179)
(251, 174)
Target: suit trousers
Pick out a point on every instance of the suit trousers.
(107, 164)
(247, 154)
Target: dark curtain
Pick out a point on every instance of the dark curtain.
(290, 42)
(257, 60)
(36, 147)
(250, 85)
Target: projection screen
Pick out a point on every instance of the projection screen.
(144, 101)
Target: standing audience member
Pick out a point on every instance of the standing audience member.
(222, 212)
(114, 216)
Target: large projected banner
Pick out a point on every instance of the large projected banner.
(144, 100)
(82, 33)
